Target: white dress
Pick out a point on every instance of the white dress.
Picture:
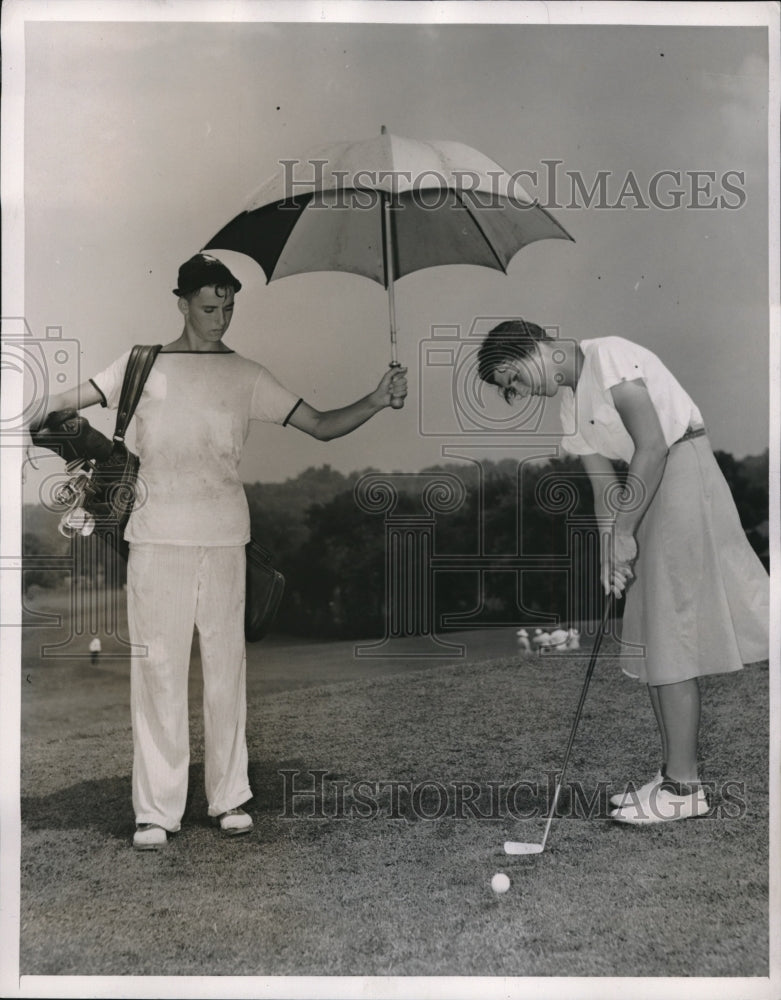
(699, 603)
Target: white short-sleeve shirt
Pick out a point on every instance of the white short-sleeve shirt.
(589, 418)
(191, 424)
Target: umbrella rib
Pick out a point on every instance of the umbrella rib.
(554, 221)
(480, 229)
(305, 200)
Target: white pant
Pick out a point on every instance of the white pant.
(172, 588)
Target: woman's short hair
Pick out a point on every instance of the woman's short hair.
(510, 340)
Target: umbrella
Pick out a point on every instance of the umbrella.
(385, 207)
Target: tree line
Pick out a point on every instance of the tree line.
(332, 550)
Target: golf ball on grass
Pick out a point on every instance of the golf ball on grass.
(500, 883)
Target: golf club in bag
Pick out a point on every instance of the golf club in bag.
(518, 847)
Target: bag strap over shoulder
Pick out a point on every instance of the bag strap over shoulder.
(139, 364)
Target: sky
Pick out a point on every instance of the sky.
(142, 139)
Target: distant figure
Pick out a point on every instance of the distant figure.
(573, 639)
(558, 640)
(95, 650)
(523, 640)
(540, 641)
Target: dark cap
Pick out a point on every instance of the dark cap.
(202, 270)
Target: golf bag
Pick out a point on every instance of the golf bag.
(101, 489)
(265, 586)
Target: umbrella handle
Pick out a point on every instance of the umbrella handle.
(397, 402)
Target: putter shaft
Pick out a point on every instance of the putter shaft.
(518, 847)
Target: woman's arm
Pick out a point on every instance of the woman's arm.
(605, 485)
(335, 423)
(646, 469)
(626, 508)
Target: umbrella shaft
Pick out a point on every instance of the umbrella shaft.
(392, 314)
(389, 278)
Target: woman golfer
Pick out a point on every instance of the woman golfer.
(696, 593)
(187, 563)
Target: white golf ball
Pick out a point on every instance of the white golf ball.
(500, 882)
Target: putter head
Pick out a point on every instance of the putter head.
(516, 847)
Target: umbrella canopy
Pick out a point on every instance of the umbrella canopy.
(385, 207)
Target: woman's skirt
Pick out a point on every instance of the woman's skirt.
(699, 603)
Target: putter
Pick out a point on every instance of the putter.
(518, 847)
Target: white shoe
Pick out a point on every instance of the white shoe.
(234, 822)
(628, 798)
(149, 837)
(663, 805)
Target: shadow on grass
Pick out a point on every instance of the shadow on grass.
(105, 805)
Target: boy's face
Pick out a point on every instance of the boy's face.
(208, 314)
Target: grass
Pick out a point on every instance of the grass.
(410, 896)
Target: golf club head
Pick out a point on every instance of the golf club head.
(516, 847)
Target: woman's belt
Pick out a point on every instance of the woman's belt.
(692, 432)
